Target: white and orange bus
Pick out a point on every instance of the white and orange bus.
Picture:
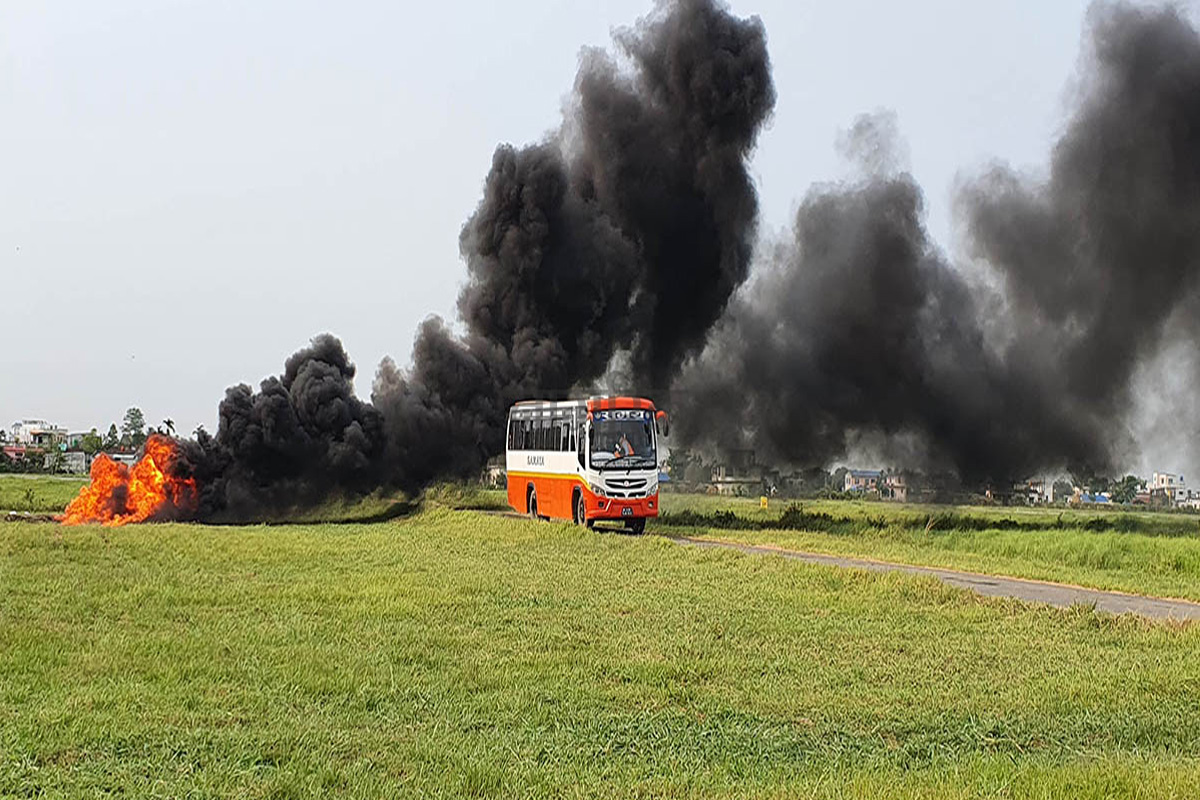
(585, 460)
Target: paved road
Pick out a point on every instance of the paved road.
(1061, 595)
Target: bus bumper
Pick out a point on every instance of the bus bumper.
(619, 508)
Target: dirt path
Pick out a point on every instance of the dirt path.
(1061, 595)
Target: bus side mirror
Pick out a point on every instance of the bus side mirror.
(582, 437)
(664, 423)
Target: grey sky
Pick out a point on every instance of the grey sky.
(190, 190)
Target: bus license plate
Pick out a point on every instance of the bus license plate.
(626, 512)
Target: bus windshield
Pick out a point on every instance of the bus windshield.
(622, 440)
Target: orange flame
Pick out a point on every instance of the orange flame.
(119, 494)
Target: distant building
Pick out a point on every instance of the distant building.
(895, 488)
(38, 433)
(75, 439)
(1036, 491)
(73, 462)
(739, 474)
(13, 452)
(724, 480)
(862, 480)
(1168, 489)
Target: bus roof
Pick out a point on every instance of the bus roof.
(591, 404)
(613, 403)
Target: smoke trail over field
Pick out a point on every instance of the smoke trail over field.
(862, 325)
(620, 248)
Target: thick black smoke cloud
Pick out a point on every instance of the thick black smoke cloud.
(862, 325)
(1098, 257)
(622, 245)
(300, 438)
(624, 233)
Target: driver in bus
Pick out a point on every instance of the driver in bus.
(623, 448)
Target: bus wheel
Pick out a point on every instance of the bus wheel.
(636, 526)
(533, 504)
(581, 511)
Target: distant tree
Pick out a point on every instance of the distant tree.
(32, 461)
(837, 481)
(1091, 482)
(1126, 489)
(134, 426)
(169, 425)
(112, 439)
(3, 436)
(91, 443)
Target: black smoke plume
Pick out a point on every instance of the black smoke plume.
(300, 438)
(626, 232)
(622, 246)
(862, 326)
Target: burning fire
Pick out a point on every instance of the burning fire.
(119, 494)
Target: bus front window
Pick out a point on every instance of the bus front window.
(622, 440)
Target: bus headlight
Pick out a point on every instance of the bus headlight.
(597, 490)
(652, 489)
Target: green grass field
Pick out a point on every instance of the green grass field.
(38, 493)
(1144, 553)
(453, 653)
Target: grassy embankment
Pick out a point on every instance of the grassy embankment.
(452, 653)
